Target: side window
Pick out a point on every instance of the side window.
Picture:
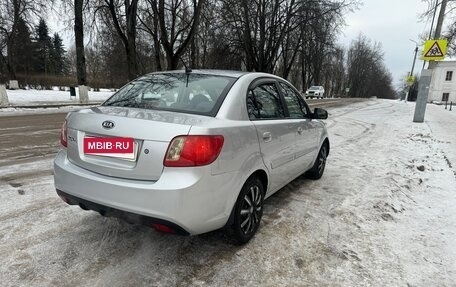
(296, 106)
(263, 102)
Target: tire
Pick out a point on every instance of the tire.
(317, 170)
(248, 211)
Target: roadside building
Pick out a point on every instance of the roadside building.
(443, 83)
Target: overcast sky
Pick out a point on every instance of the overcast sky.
(392, 23)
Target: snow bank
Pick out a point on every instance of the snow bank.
(18, 97)
(11, 111)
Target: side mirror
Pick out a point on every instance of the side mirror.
(320, 114)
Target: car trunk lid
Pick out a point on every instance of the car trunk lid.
(151, 131)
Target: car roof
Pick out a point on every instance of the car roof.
(226, 73)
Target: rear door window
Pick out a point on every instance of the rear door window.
(263, 102)
(295, 104)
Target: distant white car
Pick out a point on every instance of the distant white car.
(315, 92)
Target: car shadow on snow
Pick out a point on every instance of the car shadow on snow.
(109, 244)
(109, 228)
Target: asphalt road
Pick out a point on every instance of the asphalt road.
(28, 137)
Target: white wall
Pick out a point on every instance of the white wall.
(438, 83)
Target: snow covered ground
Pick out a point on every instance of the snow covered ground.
(21, 97)
(382, 215)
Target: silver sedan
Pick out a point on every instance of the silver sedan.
(190, 152)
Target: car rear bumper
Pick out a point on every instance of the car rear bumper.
(192, 200)
(125, 215)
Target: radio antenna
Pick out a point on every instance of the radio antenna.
(187, 71)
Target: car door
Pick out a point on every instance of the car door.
(304, 127)
(276, 134)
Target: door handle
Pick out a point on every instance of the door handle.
(299, 130)
(267, 137)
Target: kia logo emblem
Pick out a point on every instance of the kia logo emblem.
(108, 124)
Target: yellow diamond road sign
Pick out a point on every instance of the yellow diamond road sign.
(410, 80)
(435, 50)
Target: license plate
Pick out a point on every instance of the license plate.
(124, 148)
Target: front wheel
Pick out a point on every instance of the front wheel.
(248, 210)
(316, 172)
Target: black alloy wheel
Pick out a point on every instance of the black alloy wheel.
(316, 172)
(248, 210)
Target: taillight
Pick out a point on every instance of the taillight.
(193, 150)
(64, 134)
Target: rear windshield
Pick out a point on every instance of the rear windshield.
(193, 93)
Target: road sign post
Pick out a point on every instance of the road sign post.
(410, 79)
(421, 100)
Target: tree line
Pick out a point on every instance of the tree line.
(118, 40)
(31, 50)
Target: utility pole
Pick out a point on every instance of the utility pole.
(438, 28)
(426, 75)
(411, 74)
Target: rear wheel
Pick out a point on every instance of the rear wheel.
(248, 210)
(318, 168)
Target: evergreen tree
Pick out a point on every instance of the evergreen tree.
(57, 59)
(22, 49)
(43, 48)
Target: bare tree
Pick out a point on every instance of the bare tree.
(149, 24)
(260, 26)
(123, 16)
(321, 22)
(213, 46)
(290, 48)
(177, 22)
(367, 75)
(333, 72)
(274, 34)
